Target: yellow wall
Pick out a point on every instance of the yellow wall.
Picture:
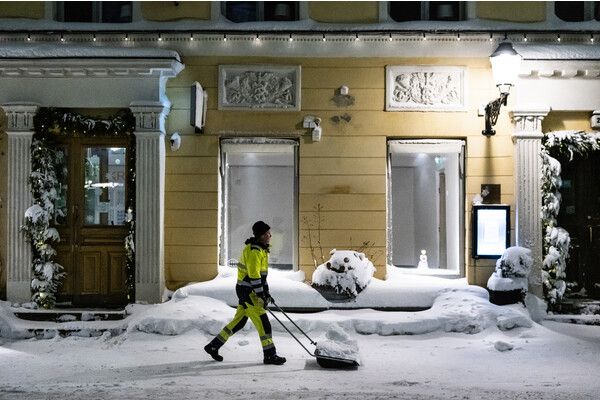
(345, 173)
(344, 11)
(22, 9)
(516, 11)
(171, 10)
(567, 121)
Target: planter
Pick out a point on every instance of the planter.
(332, 295)
(503, 297)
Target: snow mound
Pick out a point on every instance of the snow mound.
(501, 345)
(499, 283)
(339, 344)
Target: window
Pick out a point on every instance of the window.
(426, 205)
(248, 11)
(577, 11)
(95, 11)
(259, 182)
(401, 11)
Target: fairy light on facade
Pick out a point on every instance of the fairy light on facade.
(291, 39)
(62, 38)
(224, 38)
(160, 37)
(94, 37)
(324, 38)
(356, 38)
(558, 38)
(191, 37)
(525, 37)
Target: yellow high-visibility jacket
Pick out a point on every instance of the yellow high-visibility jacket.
(253, 268)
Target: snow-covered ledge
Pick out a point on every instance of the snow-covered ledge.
(527, 138)
(150, 199)
(18, 250)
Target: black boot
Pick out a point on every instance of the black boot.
(213, 349)
(274, 360)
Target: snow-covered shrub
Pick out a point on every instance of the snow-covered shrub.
(510, 276)
(346, 271)
(515, 262)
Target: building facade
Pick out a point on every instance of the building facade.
(342, 125)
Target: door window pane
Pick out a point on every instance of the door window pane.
(104, 185)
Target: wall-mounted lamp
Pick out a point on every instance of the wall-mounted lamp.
(314, 123)
(175, 141)
(505, 69)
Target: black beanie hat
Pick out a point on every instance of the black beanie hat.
(259, 228)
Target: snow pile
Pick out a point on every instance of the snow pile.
(501, 345)
(512, 270)
(346, 271)
(339, 344)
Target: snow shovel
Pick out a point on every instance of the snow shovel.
(323, 360)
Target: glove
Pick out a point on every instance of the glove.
(266, 297)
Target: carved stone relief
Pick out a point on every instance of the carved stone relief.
(425, 88)
(259, 87)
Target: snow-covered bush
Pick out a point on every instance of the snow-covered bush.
(512, 270)
(346, 271)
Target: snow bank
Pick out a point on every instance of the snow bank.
(338, 344)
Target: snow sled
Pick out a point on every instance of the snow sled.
(323, 360)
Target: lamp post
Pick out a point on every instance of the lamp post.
(505, 68)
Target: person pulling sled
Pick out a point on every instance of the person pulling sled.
(253, 293)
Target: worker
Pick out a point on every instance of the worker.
(253, 293)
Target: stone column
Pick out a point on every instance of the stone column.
(527, 138)
(18, 250)
(150, 194)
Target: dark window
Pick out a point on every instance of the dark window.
(95, 11)
(247, 11)
(78, 11)
(444, 10)
(401, 11)
(281, 11)
(597, 11)
(570, 11)
(116, 11)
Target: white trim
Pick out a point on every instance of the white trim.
(425, 146)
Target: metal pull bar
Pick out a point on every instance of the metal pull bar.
(280, 310)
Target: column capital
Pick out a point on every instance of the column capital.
(20, 117)
(528, 122)
(150, 117)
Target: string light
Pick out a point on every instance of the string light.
(62, 38)
(191, 37)
(94, 37)
(424, 36)
(29, 37)
(524, 37)
(224, 38)
(592, 38)
(126, 37)
(160, 37)
(390, 38)
(491, 37)
(558, 37)
(324, 38)
(291, 39)
(356, 39)
(257, 38)
(458, 37)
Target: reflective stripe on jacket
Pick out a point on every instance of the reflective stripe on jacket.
(253, 267)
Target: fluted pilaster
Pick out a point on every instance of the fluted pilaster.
(150, 194)
(18, 253)
(527, 138)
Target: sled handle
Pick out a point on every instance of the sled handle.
(290, 332)
(297, 327)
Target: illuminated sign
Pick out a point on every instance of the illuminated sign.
(490, 230)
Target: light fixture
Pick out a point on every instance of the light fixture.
(324, 38)
(524, 37)
(160, 37)
(191, 37)
(257, 38)
(94, 37)
(558, 37)
(491, 37)
(356, 39)
(505, 69)
(126, 37)
(29, 37)
(62, 38)
(390, 38)
(592, 38)
(424, 36)
(291, 39)
(458, 37)
(224, 38)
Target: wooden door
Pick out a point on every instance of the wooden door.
(580, 216)
(93, 231)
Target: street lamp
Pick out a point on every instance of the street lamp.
(505, 68)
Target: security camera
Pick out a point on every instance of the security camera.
(175, 140)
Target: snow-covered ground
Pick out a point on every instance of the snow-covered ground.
(462, 348)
